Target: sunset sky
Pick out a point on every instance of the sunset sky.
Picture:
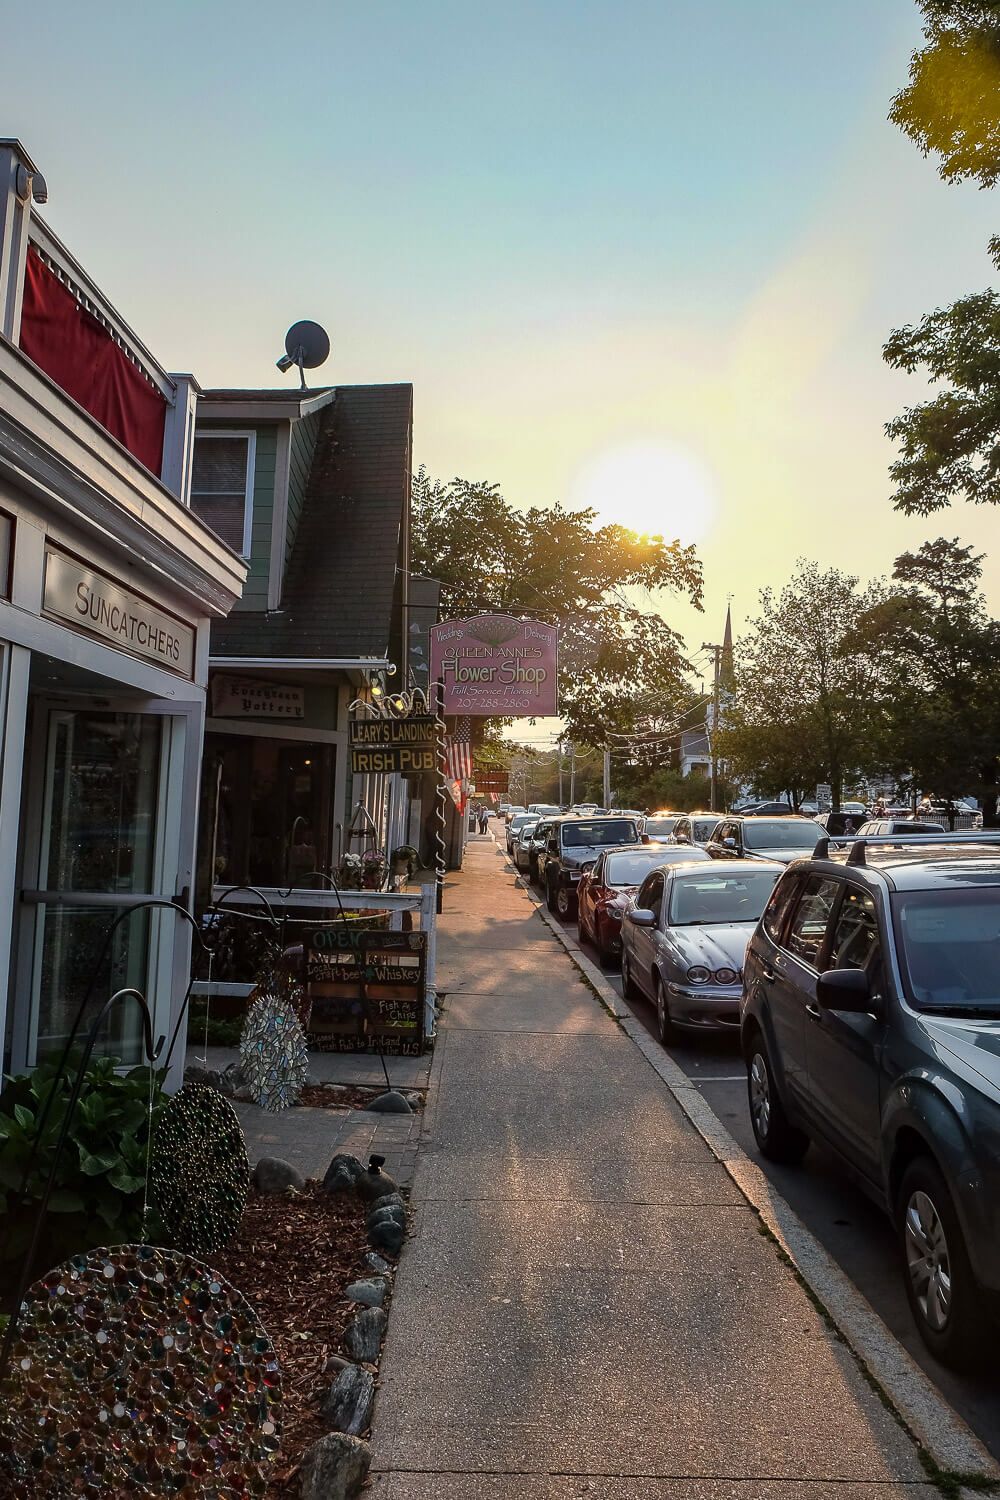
(640, 255)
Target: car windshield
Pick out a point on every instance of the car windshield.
(703, 899)
(522, 821)
(591, 835)
(659, 827)
(631, 869)
(949, 942)
(783, 833)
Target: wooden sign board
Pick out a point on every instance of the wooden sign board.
(382, 746)
(366, 989)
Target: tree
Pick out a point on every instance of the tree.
(951, 105)
(619, 660)
(808, 699)
(950, 445)
(942, 716)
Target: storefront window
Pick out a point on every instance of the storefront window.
(266, 810)
(98, 836)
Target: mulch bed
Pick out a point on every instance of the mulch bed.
(343, 1096)
(293, 1258)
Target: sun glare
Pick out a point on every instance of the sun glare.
(654, 487)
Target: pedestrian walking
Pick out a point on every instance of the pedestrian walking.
(484, 820)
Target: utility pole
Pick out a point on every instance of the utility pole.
(572, 773)
(607, 778)
(717, 653)
(559, 748)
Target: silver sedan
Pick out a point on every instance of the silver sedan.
(685, 939)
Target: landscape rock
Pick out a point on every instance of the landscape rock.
(335, 1467)
(363, 1338)
(343, 1173)
(390, 1200)
(197, 1074)
(347, 1405)
(273, 1175)
(335, 1363)
(369, 1294)
(387, 1234)
(392, 1103)
(225, 1085)
(375, 1263)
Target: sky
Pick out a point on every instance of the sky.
(632, 254)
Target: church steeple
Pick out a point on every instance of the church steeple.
(727, 676)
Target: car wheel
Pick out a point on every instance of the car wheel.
(565, 903)
(550, 897)
(605, 956)
(776, 1137)
(940, 1284)
(665, 1028)
(630, 989)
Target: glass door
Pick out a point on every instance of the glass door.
(100, 817)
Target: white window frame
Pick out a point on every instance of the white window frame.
(250, 435)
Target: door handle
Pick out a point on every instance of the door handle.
(768, 975)
(814, 1011)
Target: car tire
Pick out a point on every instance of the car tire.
(630, 989)
(940, 1285)
(605, 957)
(665, 1028)
(777, 1138)
(565, 907)
(550, 897)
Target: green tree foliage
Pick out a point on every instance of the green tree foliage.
(618, 656)
(809, 687)
(950, 445)
(942, 713)
(951, 105)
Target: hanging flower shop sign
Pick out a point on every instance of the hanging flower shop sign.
(496, 665)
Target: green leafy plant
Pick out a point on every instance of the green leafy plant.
(100, 1175)
(222, 1031)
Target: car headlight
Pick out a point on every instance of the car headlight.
(725, 976)
(698, 974)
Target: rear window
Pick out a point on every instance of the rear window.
(631, 869)
(950, 945)
(783, 833)
(701, 900)
(584, 835)
(660, 827)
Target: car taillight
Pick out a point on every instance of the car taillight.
(698, 974)
(725, 976)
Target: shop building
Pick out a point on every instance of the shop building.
(313, 487)
(109, 582)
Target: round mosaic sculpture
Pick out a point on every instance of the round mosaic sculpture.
(199, 1172)
(274, 1055)
(138, 1371)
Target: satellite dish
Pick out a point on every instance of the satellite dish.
(306, 345)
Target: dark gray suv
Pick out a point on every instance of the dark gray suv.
(870, 1020)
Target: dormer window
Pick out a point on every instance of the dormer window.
(222, 485)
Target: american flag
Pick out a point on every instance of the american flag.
(458, 751)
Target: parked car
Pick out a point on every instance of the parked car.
(584, 809)
(544, 809)
(521, 849)
(885, 826)
(772, 809)
(661, 826)
(512, 812)
(756, 837)
(839, 824)
(519, 821)
(571, 844)
(871, 1021)
(695, 828)
(684, 940)
(606, 888)
(536, 844)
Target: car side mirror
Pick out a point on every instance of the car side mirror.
(682, 838)
(729, 843)
(644, 838)
(847, 990)
(588, 869)
(640, 917)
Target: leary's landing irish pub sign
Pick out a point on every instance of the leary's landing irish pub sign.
(494, 664)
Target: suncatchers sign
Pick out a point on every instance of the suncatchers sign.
(496, 665)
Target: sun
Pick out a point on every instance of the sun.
(655, 487)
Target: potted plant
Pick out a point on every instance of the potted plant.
(405, 860)
(372, 870)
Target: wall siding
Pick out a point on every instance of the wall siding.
(301, 449)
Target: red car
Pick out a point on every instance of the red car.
(606, 889)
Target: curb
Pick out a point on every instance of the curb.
(950, 1442)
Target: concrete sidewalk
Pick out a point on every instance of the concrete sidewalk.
(588, 1307)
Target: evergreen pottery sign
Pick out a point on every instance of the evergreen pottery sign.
(496, 664)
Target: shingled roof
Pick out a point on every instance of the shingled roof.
(340, 596)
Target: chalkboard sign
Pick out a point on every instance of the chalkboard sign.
(366, 989)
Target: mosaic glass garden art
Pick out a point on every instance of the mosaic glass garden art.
(199, 1172)
(274, 1055)
(138, 1371)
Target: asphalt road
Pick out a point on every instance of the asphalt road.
(850, 1227)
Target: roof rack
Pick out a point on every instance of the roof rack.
(905, 840)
